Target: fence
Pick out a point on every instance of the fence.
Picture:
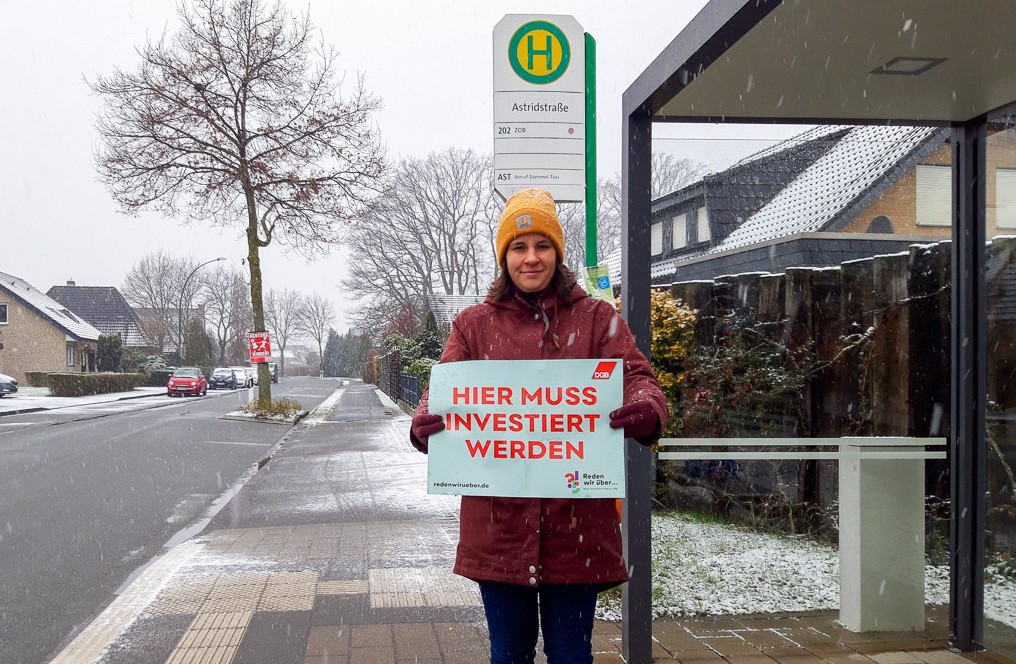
(398, 386)
(901, 385)
(899, 388)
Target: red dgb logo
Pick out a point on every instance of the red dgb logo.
(604, 369)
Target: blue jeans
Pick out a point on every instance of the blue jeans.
(515, 615)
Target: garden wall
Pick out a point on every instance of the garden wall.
(898, 385)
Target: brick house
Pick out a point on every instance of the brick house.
(105, 309)
(822, 198)
(40, 334)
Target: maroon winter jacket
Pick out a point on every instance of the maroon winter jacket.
(529, 541)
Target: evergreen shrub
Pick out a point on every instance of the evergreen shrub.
(82, 384)
(36, 378)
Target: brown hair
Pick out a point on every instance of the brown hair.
(561, 284)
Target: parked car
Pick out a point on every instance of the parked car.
(225, 378)
(250, 377)
(187, 380)
(7, 385)
(273, 371)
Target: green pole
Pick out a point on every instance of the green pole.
(591, 259)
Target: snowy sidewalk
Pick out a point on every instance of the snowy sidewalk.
(334, 553)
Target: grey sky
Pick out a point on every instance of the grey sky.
(429, 62)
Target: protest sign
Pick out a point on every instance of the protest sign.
(532, 428)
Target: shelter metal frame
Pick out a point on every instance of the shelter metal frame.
(718, 43)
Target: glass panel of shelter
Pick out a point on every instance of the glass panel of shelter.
(821, 311)
(1000, 535)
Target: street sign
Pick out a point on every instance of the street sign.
(260, 346)
(539, 106)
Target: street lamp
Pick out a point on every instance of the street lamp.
(179, 311)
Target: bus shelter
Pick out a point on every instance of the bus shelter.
(822, 62)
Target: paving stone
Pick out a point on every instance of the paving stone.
(331, 659)
(372, 656)
(766, 637)
(822, 648)
(750, 659)
(416, 640)
(339, 610)
(328, 641)
(939, 657)
(371, 636)
(875, 647)
(895, 657)
(846, 658)
(698, 657)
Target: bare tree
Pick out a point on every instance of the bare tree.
(315, 319)
(237, 120)
(155, 285)
(282, 310)
(431, 232)
(227, 308)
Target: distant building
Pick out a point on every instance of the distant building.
(105, 308)
(446, 307)
(39, 333)
(827, 196)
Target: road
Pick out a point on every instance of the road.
(90, 494)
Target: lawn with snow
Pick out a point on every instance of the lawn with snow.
(709, 568)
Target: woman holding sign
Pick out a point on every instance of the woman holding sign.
(543, 561)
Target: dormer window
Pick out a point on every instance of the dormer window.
(1005, 198)
(934, 195)
(702, 225)
(679, 231)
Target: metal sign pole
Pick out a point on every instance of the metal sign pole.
(591, 193)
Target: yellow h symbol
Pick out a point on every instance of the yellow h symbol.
(547, 52)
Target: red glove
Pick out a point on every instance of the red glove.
(638, 419)
(424, 426)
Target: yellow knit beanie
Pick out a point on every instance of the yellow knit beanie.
(529, 211)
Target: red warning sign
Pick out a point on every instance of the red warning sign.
(260, 346)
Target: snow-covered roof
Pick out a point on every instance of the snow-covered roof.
(858, 161)
(47, 307)
(861, 158)
(104, 307)
(656, 270)
(447, 307)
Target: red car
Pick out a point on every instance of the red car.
(187, 380)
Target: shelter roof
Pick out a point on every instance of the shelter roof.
(814, 61)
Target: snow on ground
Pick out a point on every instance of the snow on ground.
(708, 568)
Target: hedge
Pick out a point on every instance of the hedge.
(156, 378)
(36, 378)
(81, 384)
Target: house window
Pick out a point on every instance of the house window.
(881, 224)
(656, 239)
(1005, 197)
(70, 355)
(934, 195)
(679, 234)
(3, 314)
(702, 225)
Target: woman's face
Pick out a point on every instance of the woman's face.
(531, 262)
